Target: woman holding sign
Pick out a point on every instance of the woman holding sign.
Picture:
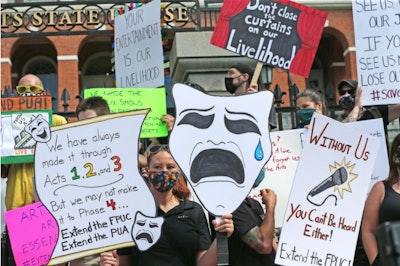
(382, 205)
(185, 238)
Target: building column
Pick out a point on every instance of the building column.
(6, 79)
(68, 77)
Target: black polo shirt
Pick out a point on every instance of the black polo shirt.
(184, 233)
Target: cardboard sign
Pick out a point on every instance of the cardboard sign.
(12, 104)
(287, 146)
(377, 37)
(33, 234)
(87, 176)
(221, 144)
(139, 59)
(281, 168)
(278, 33)
(129, 99)
(324, 212)
(17, 146)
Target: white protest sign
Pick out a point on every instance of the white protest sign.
(281, 168)
(377, 37)
(375, 128)
(87, 176)
(139, 59)
(324, 211)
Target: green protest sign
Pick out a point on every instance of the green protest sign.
(130, 99)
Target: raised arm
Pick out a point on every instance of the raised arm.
(260, 238)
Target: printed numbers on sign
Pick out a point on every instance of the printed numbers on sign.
(90, 172)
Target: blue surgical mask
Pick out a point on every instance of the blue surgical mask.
(260, 178)
(305, 115)
(163, 181)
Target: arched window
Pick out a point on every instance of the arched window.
(40, 65)
(96, 71)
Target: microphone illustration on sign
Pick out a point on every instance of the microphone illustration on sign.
(336, 179)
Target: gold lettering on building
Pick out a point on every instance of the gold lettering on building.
(79, 17)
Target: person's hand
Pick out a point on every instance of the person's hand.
(169, 120)
(252, 88)
(268, 197)
(109, 258)
(224, 225)
(357, 109)
(358, 98)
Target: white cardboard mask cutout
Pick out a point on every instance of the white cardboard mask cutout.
(146, 230)
(221, 144)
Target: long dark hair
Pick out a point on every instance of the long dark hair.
(393, 171)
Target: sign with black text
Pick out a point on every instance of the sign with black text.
(377, 37)
(278, 33)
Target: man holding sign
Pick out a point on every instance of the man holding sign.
(20, 190)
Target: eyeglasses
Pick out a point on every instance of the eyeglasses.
(352, 91)
(34, 89)
(157, 148)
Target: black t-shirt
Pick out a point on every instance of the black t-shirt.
(389, 211)
(184, 233)
(248, 215)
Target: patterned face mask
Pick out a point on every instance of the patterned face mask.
(163, 181)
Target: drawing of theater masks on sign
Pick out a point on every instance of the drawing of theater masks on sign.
(221, 144)
(39, 129)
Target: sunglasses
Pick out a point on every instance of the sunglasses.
(34, 89)
(157, 148)
(352, 91)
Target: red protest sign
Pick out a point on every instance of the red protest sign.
(279, 33)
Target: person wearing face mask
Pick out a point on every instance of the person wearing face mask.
(382, 205)
(238, 82)
(185, 238)
(351, 101)
(307, 103)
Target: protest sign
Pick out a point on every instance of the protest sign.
(286, 150)
(323, 215)
(229, 144)
(129, 99)
(139, 60)
(281, 168)
(377, 38)
(278, 33)
(16, 113)
(87, 176)
(17, 146)
(374, 127)
(33, 234)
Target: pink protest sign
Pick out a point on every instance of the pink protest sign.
(280, 33)
(33, 234)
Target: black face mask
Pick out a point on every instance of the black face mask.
(229, 85)
(346, 102)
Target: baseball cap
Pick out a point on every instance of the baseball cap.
(350, 82)
(244, 68)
